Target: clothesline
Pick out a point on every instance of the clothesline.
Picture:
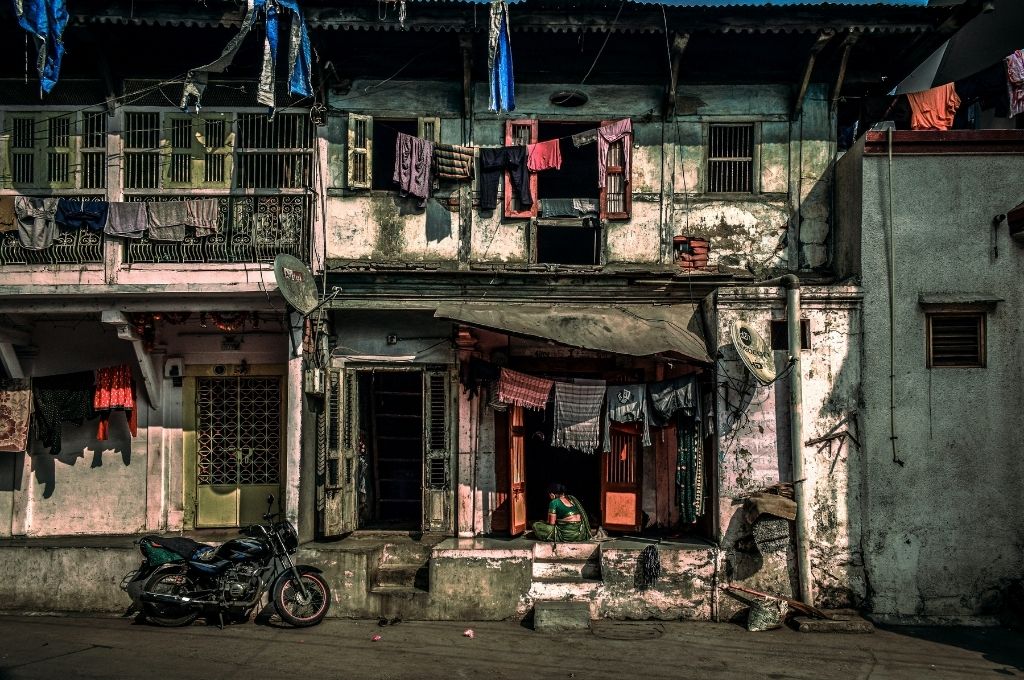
(501, 146)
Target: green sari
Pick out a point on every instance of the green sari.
(565, 532)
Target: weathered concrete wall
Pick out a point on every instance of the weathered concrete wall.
(684, 590)
(754, 441)
(943, 530)
(785, 221)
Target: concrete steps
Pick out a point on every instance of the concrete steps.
(547, 552)
(565, 585)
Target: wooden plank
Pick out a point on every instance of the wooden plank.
(819, 44)
(10, 360)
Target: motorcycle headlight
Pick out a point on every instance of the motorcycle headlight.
(288, 535)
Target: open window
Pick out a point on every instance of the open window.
(371, 147)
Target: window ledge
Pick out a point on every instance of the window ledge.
(953, 301)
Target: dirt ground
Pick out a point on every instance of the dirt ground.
(81, 647)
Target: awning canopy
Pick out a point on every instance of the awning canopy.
(636, 330)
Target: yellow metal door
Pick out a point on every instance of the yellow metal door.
(238, 448)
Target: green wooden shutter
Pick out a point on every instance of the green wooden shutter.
(438, 439)
(360, 151)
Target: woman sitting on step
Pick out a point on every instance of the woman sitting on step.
(567, 520)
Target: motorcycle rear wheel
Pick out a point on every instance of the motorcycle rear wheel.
(297, 610)
(168, 615)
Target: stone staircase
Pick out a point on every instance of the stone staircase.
(566, 581)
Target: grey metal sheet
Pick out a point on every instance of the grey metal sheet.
(636, 330)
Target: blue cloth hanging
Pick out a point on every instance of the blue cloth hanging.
(45, 20)
(499, 60)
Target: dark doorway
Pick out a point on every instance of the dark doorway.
(394, 465)
(579, 472)
(385, 134)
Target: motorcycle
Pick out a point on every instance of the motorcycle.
(181, 578)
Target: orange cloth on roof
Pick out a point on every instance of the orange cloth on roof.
(933, 109)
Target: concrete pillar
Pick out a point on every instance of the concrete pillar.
(293, 422)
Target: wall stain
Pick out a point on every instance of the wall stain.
(390, 229)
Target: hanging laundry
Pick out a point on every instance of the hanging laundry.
(477, 374)
(166, 220)
(61, 399)
(127, 220)
(492, 163)
(75, 214)
(499, 60)
(689, 469)
(8, 217)
(626, 404)
(413, 159)
(299, 54)
(15, 413)
(36, 225)
(933, 109)
(204, 215)
(607, 135)
(115, 391)
(453, 162)
(669, 396)
(577, 423)
(520, 389)
(544, 156)
(45, 20)
(1015, 81)
(439, 221)
(583, 138)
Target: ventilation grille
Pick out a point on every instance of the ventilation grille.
(437, 473)
(437, 426)
(730, 159)
(956, 340)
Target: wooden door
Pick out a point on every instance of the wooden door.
(339, 513)
(517, 470)
(620, 479)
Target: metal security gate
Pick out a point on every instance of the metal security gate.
(238, 448)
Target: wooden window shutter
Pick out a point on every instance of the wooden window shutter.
(178, 147)
(429, 129)
(215, 138)
(340, 467)
(520, 132)
(437, 439)
(20, 134)
(360, 151)
(617, 192)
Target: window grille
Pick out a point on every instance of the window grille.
(58, 155)
(360, 151)
(274, 154)
(23, 169)
(615, 181)
(213, 162)
(141, 150)
(956, 340)
(181, 150)
(437, 473)
(730, 156)
(94, 150)
(438, 429)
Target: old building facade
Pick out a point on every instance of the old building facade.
(733, 123)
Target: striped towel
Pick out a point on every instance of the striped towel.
(453, 162)
(523, 390)
(578, 415)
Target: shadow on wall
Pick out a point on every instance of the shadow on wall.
(78, 443)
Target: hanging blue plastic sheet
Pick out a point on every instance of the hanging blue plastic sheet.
(299, 53)
(45, 20)
(499, 60)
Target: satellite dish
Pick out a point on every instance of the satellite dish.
(296, 283)
(754, 351)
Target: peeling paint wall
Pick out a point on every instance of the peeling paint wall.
(785, 221)
(754, 441)
(943, 530)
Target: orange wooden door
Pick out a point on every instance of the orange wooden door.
(517, 470)
(620, 480)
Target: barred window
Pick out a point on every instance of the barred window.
(55, 150)
(730, 159)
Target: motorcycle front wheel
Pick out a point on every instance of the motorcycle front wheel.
(169, 615)
(299, 610)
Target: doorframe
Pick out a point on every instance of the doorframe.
(190, 473)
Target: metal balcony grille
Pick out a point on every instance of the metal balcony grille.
(252, 229)
(274, 154)
(730, 159)
(71, 247)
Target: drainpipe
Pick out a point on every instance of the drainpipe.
(796, 433)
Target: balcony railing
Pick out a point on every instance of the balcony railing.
(68, 247)
(252, 229)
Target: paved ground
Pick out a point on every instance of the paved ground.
(51, 647)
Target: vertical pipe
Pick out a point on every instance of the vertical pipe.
(796, 436)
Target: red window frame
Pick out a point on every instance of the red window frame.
(510, 202)
(627, 201)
